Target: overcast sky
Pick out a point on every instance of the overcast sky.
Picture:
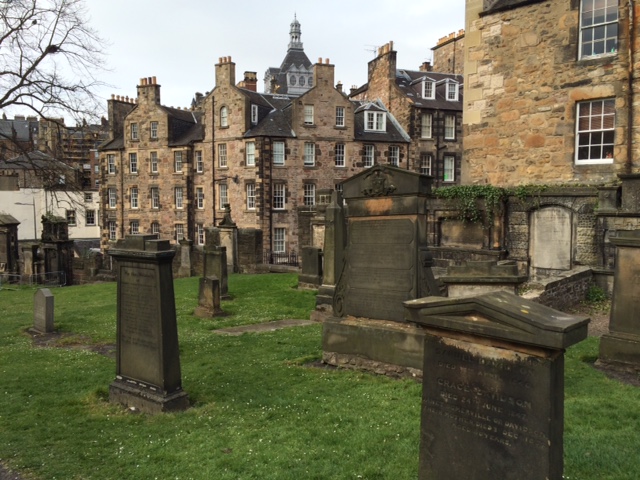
(180, 42)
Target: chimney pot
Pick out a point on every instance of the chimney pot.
(319, 59)
(113, 96)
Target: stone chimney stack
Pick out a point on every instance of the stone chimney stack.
(426, 67)
(250, 81)
(149, 91)
(384, 63)
(323, 73)
(225, 72)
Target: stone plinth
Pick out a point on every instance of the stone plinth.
(480, 277)
(215, 260)
(43, 315)
(208, 298)
(311, 275)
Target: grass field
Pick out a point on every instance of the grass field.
(258, 412)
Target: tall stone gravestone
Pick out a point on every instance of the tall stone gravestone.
(493, 387)
(43, 311)
(215, 260)
(148, 373)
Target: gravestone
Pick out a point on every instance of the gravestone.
(229, 238)
(43, 311)
(148, 373)
(311, 275)
(621, 345)
(493, 386)
(208, 298)
(215, 260)
(185, 269)
(333, 250)
(551, 240)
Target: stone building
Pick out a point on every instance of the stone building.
(448, 54)
(428, 106)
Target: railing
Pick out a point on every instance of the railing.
(281, 258)
(9, 279)
(51, 279)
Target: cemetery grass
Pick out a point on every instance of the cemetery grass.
(259, 411)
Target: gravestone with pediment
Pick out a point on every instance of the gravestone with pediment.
(493, 386)
(148, 375)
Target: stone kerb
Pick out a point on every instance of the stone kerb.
(478, 277)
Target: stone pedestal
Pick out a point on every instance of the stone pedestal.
(311, 275)
(229, 240)
(43, 315)
(215, 260)
(148, 373)
(185, 269)
(480, 277)
(208, 298)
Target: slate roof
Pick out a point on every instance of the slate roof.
(394, 132)
(276, 124)
(410, 83)
(24, 130)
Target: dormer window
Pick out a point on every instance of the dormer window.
(452, 91)
(428, 89)
(254, 114)
(375, 122)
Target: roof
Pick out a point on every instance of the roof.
(6, 219)
(410, 83)
(33, 160)
(394, 132)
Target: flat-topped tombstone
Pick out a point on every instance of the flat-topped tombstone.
(43, 311)
(493, 387)
(147, 353)
(208, 297)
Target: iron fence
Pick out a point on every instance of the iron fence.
(51, 279)
(281, 258)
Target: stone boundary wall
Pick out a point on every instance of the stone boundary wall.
(563, 291)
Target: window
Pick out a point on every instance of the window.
(200, 233)
(251, 196)
(179, 198)
(449, 168)
(179, 232)
(251, 154)
(111, 164)
(309, 154)
(254, 114)
(153, 131)
(155, 197)
(394, 155)
(112, 197)
(302, 81)
(279, 240)
(153, 162)
(224, 198)
(595, 134)
(425, 164)
(428, 89)
(133, 197)
(598, 27)
(133, 163)
(279, 192)
(222, 155)
(452, 91)
(200, 198)
(88, 198)
(427, 125)
(90, 217)
(71, 217)
(134, 131)
(134, 227)
(339, 161)
(96, 169)
(450, 127)
(339, 116)
(112, 231)
(155, 228)
(278, 153)
(177, 162)
(308, 114)
(309, 194)
(375, 121)
(224, 117)
(199, 161)
(369, 155)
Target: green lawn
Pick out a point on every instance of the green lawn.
(258, 412)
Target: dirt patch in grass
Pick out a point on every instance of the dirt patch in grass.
(70, 341)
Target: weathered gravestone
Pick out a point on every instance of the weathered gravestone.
(148, 373)
(208, 297)
(311, 275)
(43, 311)
(215, 260)
(482, 276)
(493, 387)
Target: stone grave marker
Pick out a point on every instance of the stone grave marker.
(208, 297)
(43, 311)
(493, 387)
(215, 260)
(148, 373)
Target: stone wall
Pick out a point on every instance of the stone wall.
(448, 54)
(563, 291)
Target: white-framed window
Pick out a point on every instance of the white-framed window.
(309, 194)
(450, 127)
(113, 197)
(309, 154)
(452, 91)
(595, 134)
(179, 232)
(428, 89)
(369, 156)
(251, 154)
(339, 116)
(179, 197)
(153, 162)
(224, 117)
(308, 114)
(426, 127)
(222, 155)
(153, 130)
(199, 161)
(134, 227)
(111, 164)
(133, 197)
(71, 217)
(251, 196)
(394, 155)
(177, 162)
(340, 155)
(199, 198)
(254, 114)
(88, 197)
(279, 239)
(279, 196)
(224, 195)
(278, 153)
(134, 131)
(133, 163)
(425, 163)
(90, 217)
(113, 232)
(598, 28)
(155, 228)
(200, 233)
(97, 184)
(155, 197)
(449, 168)
(375, 122)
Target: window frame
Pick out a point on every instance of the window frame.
(279, 196)
(135, 135)
(153, 130)
(71, 217)
(308, 115)
(426, 158)
(155, 228)
(179, 228)
(449, 130)
(200, 198)
(309, 159)
(224, 116)
(394, 155)
(223, 194)
(369, 157)
(340, 156)
(250, 189)
(430, 92)
(112, 197)
(178, 161)
(155, 198)
(112, 227)
(90, 217)
(309, 194)
(134, 227)
(199, 161)
(449, 168)
(279, 240)
(279, 158)
(606, 24)
(452, 91)
(250, 154)
(178, 197)
(133, 163)
(340, 118)
(200, 233)
(606, 147)
(153, 162)
(426, 125)
(222, 155)
(111, 164)
(375, 121)
(254, 114)
(134, 198)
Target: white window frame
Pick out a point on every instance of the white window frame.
(369, 159)
(449, 127)
(426, 125)
(250, 150)
(71, 217)
(224, 116)
(309, 154)
(608, 26)
(340, 117)
(308, 115)
(222, 155)
(278, 154)
(155, 228)
(340, 155)
(375, 122)
(452, 91)
(113, 197)
(199, 161)
(279, 196)
(153, 130)
(394, 155)
(251, 195)
(133, 163)
(223, 189)
(179, 231)
(111, 164)
(200, 198)
(153, 162)
(113, 230)
(449, 168)
(134, 227)
(595, 131)
(178, 193)
(309, 194)
(200, 233)
(178, 161)
(279, 240)
(428, 89)
(254, 114)
(426, 164)
(155, 198)
(89, 217)
(134, 199)
(134, 131)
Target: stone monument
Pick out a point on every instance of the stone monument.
(148, 373)
(215, 260)
(208, 297)
(493, 386)
(43, 311)
(311, 274)
(482, 276)
(229, 238)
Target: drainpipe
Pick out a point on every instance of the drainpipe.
(630, 95)
(122, 194)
